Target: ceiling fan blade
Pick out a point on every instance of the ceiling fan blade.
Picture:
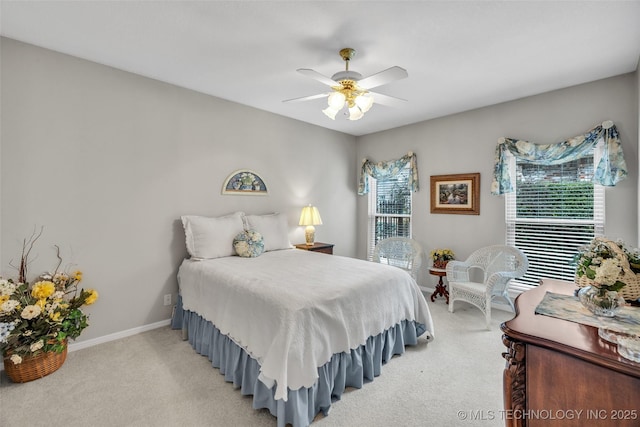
(317, 76)
(391, 101)
(307, 98)
(383, 77)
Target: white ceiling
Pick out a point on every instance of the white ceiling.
(460, 55)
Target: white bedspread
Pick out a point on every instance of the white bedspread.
(292, 310)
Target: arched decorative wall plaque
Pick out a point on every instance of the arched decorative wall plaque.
(244, 182)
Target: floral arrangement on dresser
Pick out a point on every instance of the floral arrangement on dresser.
(441, 257)
(600, 262)
(633, 255)
(40, 317)
(609, 266)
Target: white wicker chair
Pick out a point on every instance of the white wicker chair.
(400, 252)
(497, 265)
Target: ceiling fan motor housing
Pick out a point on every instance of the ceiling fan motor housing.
(346, 75)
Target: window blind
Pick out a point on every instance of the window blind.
(389, 208)
(553, 211)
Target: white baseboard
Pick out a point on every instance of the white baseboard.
(117, 335)
(113, 337)
(494, 305)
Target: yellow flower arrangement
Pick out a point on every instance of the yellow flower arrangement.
(442, 255)
(43, 290)
(42, 316)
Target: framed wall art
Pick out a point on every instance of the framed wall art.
(244, 182)
(456, 194)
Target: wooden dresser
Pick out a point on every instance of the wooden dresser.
(562, 373)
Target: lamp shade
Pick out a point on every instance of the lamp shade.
(310, 216)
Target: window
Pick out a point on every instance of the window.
(389, 208)
(553, 211)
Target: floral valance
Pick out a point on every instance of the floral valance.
(610, 170)
(388, 169)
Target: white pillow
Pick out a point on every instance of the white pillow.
(274, 230)
(208, 238)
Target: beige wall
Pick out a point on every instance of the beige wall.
(465, 142)
(638, 118)
(107, 161)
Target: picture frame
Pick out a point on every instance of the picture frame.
(245, 182)
(456, 194)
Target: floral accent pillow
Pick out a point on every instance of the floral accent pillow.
(248, 244)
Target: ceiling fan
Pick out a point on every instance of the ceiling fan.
(350, 89)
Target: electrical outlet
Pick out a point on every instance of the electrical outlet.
(167, 299)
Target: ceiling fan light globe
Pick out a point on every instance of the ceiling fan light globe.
(364, 102)
(336, 100)
(331, 112)
(355, 113)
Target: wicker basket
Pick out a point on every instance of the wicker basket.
(631, 290)
(34, 367)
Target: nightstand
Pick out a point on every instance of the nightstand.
(441, 288)
(325, 248)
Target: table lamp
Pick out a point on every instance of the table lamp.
(310, 217)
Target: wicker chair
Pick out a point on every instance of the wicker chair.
(495, 266)
(400, 252)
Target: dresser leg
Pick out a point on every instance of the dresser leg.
(514, 383)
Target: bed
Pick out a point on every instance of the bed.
(295, 328)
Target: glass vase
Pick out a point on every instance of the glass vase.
(601, 302)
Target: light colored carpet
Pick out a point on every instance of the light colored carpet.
(156, 379)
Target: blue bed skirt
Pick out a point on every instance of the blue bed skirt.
(344, 370)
